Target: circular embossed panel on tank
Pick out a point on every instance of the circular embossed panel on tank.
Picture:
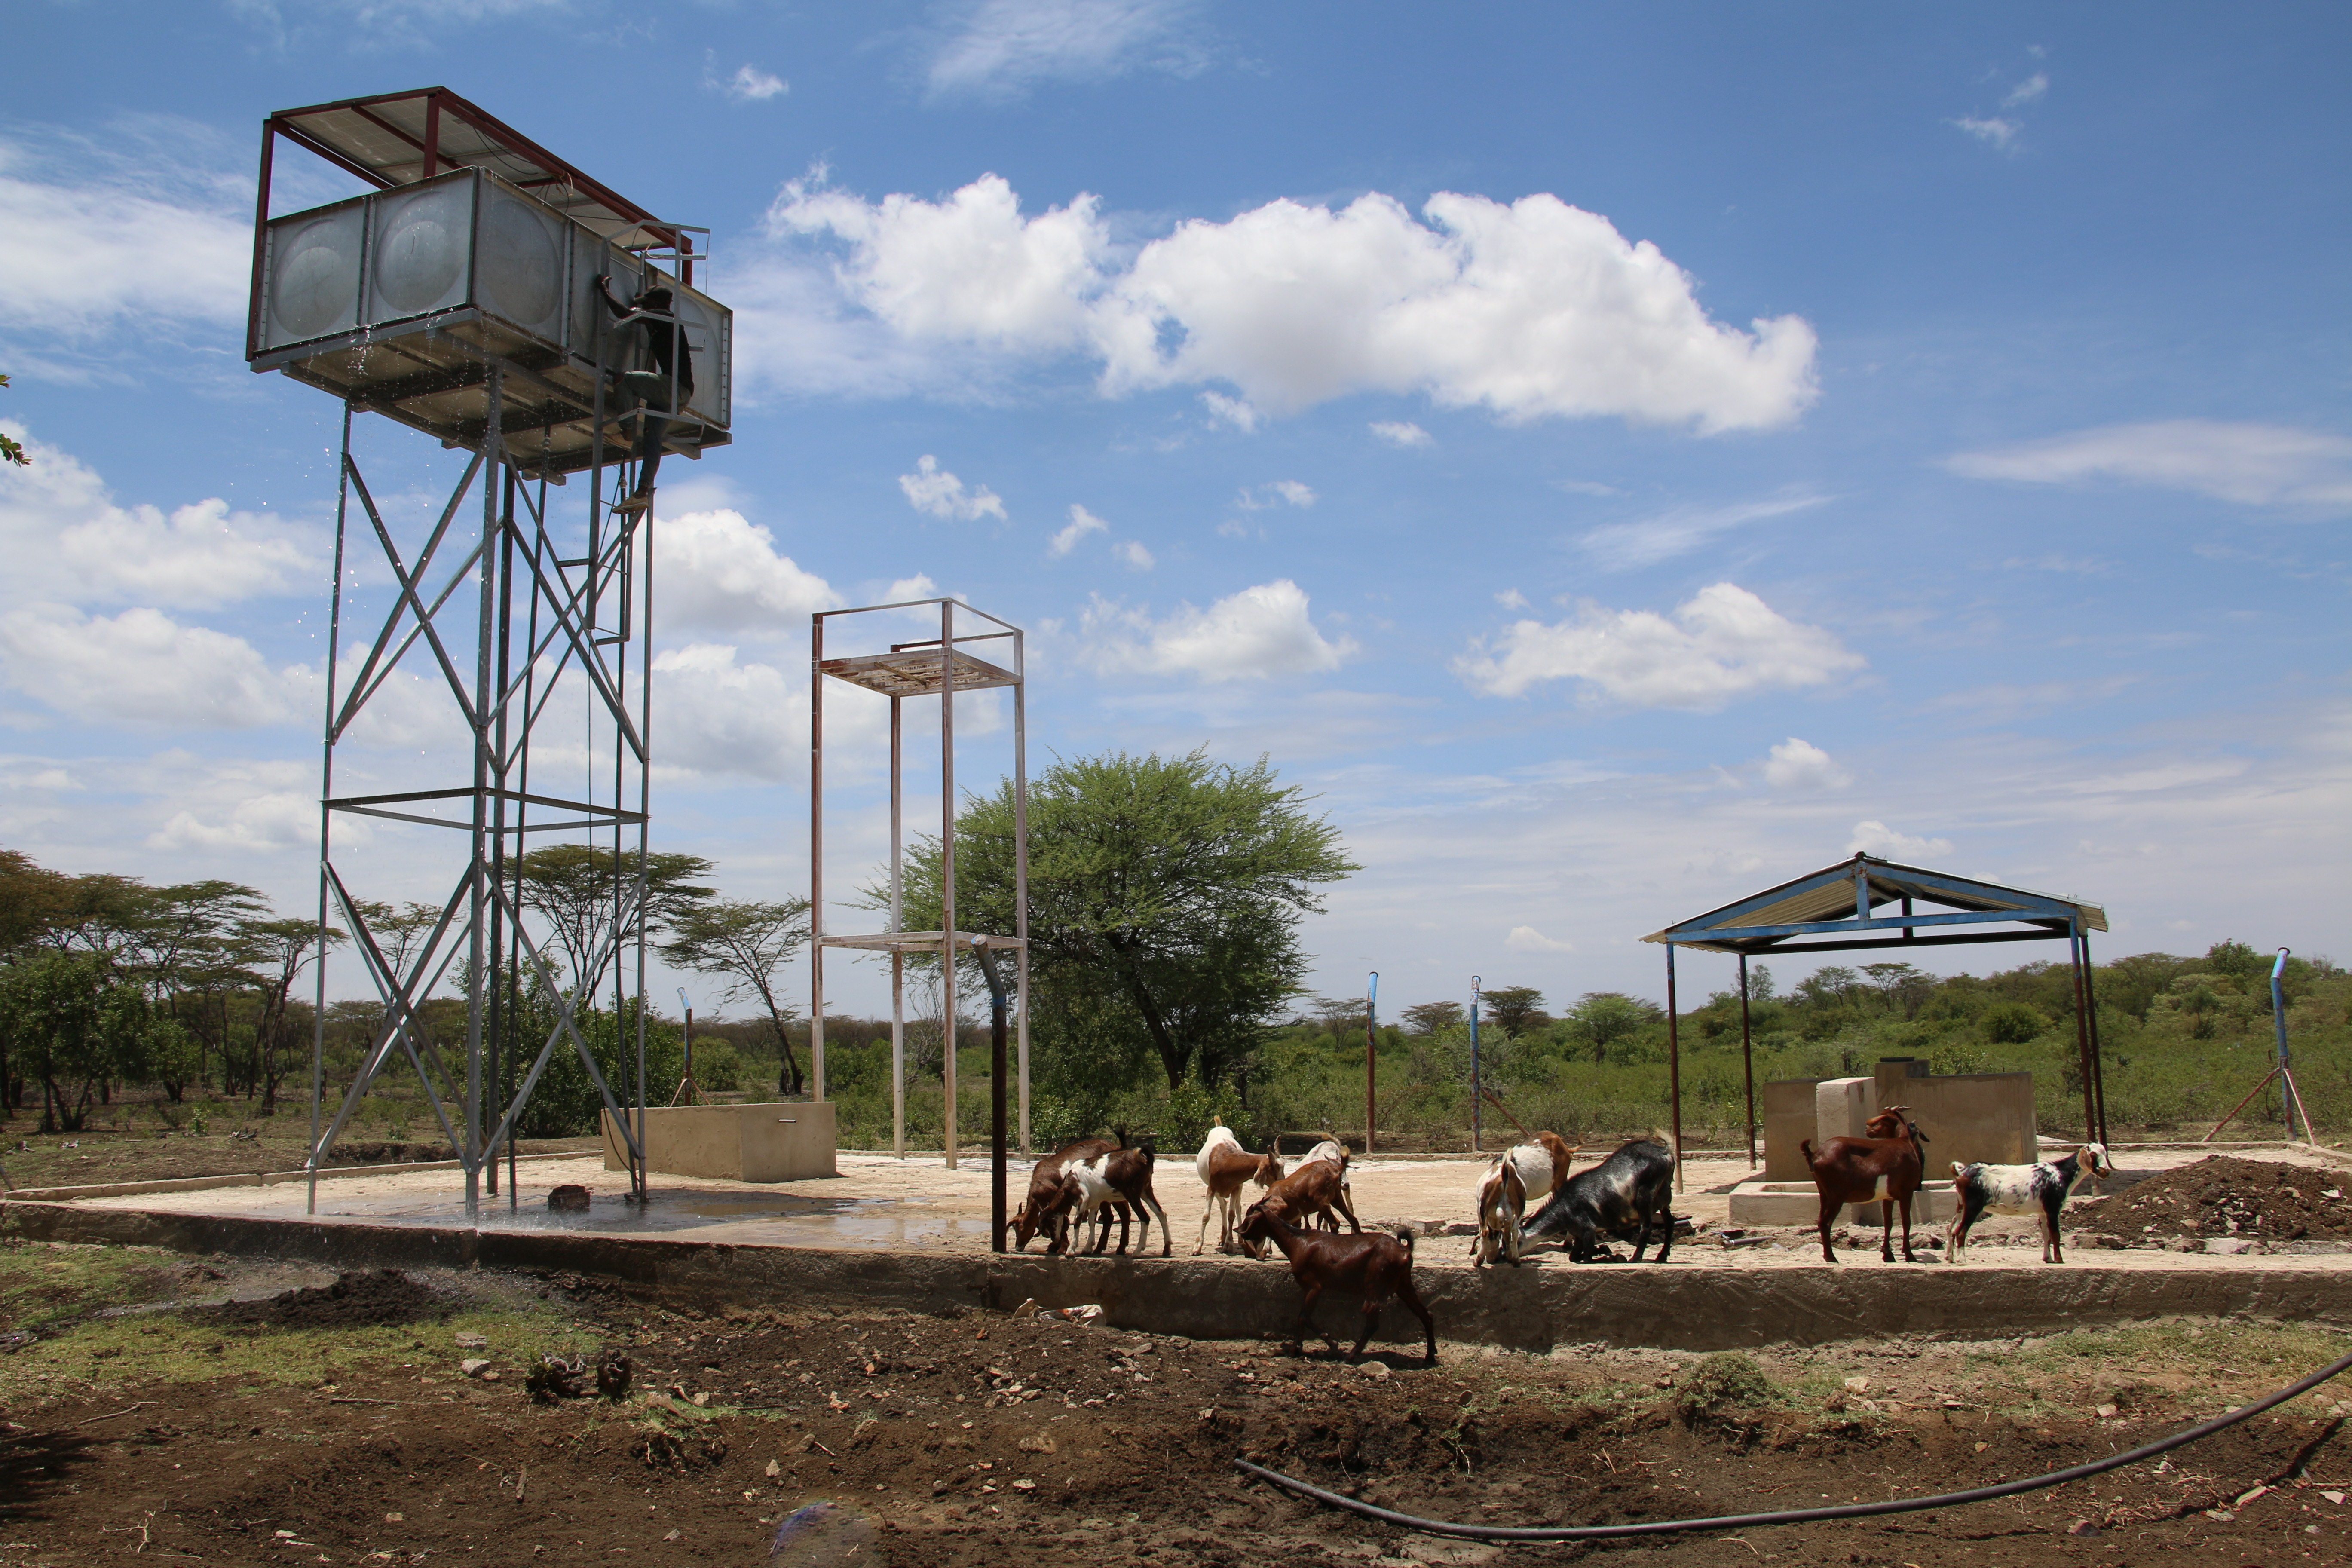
(420, 255)
(519, 268)
(316, 284)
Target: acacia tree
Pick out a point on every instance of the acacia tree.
(1602, 1018)
(1165, 899)
(73, 1021)
(281, 950)
(744, 943)
(579, 889)
(1513, 1007)
(1429, 1017)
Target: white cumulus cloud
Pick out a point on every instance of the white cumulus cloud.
(1527, 938)
(969, 268)
(1800, 764)
(1724, 642)
(64, 536)
(931, 488)
(730, 718)
(1874, 837)
(1281, 492)
(143, 668)
(1401, 433)
(1082, 522)
(999, 50)
(1256, 634)
(1528, 308)
(2251, 464)
(750, 84)
(1234, 411)
(1133, 552)
(1991, 129)
(721, 572)
(94, 248)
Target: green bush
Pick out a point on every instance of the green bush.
(2012, 1022)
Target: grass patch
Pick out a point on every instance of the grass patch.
(2193, 1363)
(106, 1353)
(47, 1284)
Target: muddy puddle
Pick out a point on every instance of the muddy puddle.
(781, 1218)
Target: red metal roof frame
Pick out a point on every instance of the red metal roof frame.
(439, 100)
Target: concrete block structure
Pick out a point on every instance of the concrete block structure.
(789, 1141)
(1965, 1117)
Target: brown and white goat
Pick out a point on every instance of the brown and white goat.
(1119, 1179)
(1372, 1263)
(1042, 1209)
(1884, 1168)
(1331, 1149)
(1318, 1188)
(1226, 1168)
(1519, 1182)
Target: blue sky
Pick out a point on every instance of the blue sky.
(1616, 457)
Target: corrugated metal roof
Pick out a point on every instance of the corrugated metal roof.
(1829, 895)
(915, 672)
(390, 140)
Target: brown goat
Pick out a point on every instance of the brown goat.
(1370, 1262)
(1316, 1188)
(1042, 1209)
(1884, 1168)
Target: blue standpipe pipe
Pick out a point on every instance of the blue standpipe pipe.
(2278, 1017)
(1477, 1089)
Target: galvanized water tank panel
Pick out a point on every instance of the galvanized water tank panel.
(421, 250)
(312, 289)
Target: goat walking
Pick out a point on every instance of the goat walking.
(1374, 1263)
(1884, 1168)
(2040, 1190)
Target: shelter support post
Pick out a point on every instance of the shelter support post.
(817, 856)
(1674, 1063)
(1748, 1060)
(995, 1092)
(947, 1041)
(897, 923)
(2098, 1056)
(1371, 1057)
(2082, 1034)
(1021, 869)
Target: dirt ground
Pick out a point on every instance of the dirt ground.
(2226, 1195)
(168, 1409)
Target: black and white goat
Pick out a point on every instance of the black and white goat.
(1629, 1197)
(2039, 1189)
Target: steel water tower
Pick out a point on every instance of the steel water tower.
(491, 297)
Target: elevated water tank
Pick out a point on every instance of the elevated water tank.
(401, 300)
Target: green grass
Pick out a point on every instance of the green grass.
(81, 1353)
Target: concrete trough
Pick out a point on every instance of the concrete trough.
(1688, 1305)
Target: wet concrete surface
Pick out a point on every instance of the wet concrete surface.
(878, 1202)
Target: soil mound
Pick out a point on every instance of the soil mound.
(388, 1153)
(2225, 1195)
(356, 1299)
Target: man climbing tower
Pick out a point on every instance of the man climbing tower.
(660, 392)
